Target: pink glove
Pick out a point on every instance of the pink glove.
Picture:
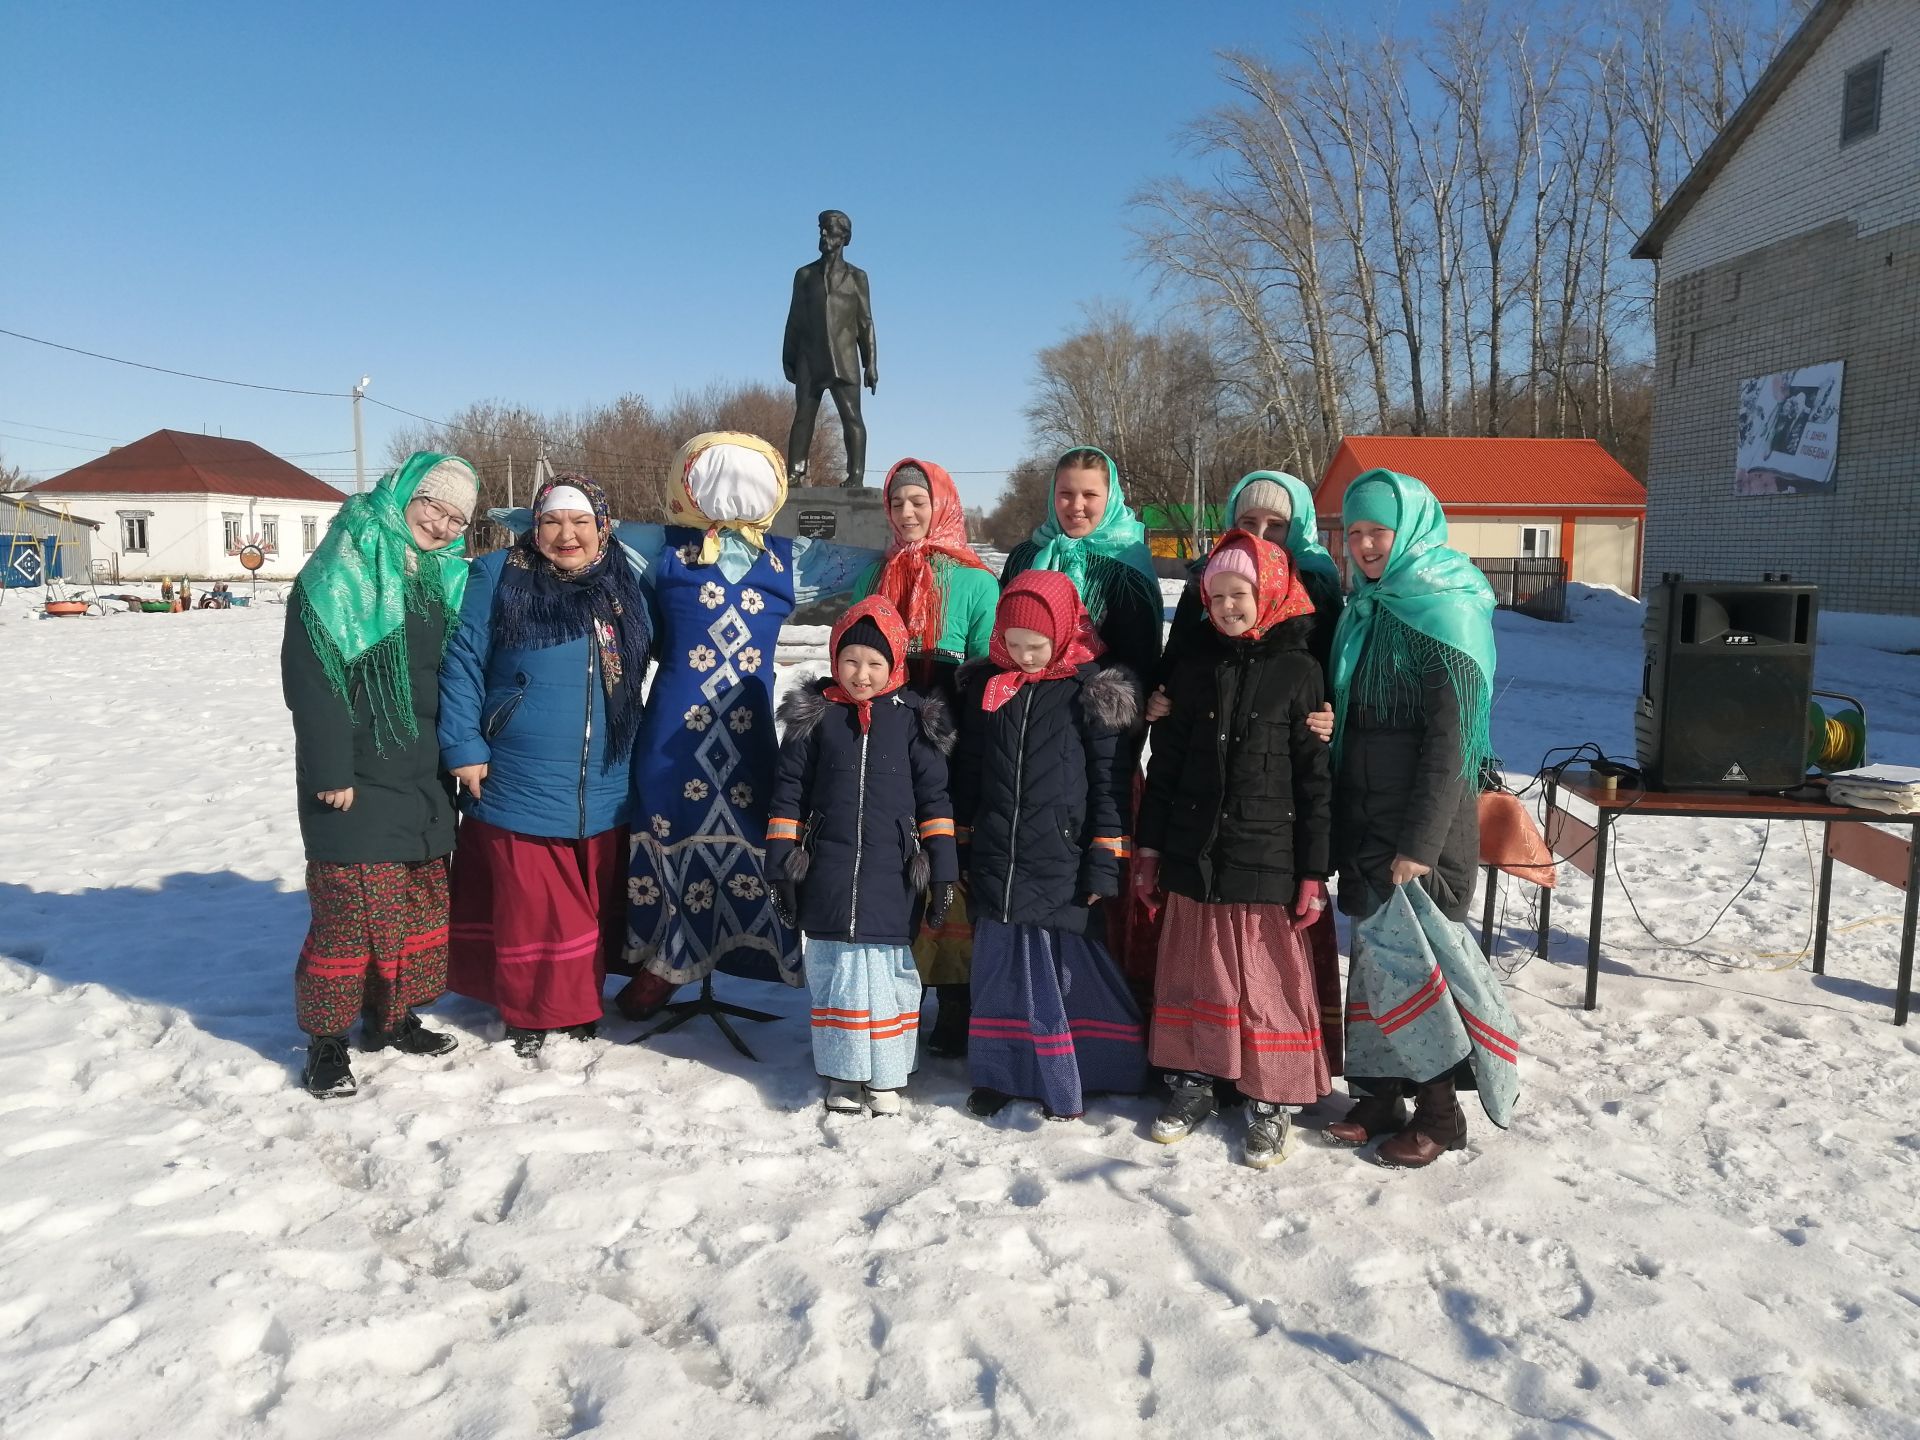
(1308, 904)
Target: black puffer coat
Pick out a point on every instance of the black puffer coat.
(402, 800)
(1043, 785)
(1239, 791)
(1399, 791)
(872, 813)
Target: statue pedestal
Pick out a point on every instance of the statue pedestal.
(832, 512)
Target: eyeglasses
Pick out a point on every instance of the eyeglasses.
(443, 516)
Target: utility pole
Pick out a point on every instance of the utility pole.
(359, 446)
(509, 481)
(1195, 552)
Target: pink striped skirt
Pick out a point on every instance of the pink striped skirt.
(1234, 997)
(534, 922)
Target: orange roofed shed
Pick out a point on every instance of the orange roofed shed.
(1509, 500)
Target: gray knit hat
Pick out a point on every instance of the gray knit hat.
(1264, 495)
(453, 483)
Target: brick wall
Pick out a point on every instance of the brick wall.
(1801, 253)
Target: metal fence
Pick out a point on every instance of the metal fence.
(1531, 587)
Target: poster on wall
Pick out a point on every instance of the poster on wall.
(1789, 431)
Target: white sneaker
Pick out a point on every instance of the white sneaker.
(845, 1097)
(884, 1102)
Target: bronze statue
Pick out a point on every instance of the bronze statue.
(829, 344)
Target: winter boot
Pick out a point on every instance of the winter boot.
(409, 1037)
(846, 1097)
(883, 1102)
(1371, 1117)
(986, 1102)
(948, 1038)
(329, 1074)
(587, 1031)
(1268, 1127)
(1438, 1125)
(644, 996)
(1186, 1109)
(526, 1043)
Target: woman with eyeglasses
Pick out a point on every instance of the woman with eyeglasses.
(542, 710)
(367, 621)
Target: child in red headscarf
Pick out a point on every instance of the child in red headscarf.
(1235, 827)
(1040, 787)
(860, 834)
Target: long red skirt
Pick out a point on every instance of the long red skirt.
(534, 922)
(1234, 998)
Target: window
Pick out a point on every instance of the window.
(1860, 106)
(230, 533)
(270, 534)
(309, 533)
(133, 531)
(1536, 542)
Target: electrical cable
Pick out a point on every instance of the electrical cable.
(183, 374)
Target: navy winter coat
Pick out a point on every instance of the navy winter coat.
(862, 822)
(1041, 791)
(537, 718)
(1239, 792)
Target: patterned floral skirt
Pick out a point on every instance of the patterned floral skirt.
(534, 920)
(377, 944)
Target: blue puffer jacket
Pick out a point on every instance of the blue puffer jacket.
(1041, 792)
(537, 718)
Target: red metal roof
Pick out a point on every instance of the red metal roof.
(173, 462)
(1519, 473)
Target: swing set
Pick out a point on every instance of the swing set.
(40, 562)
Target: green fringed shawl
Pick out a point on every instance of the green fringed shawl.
(1430, 609)
(1119, 537)
(359, 585)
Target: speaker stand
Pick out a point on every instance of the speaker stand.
(679, 1012)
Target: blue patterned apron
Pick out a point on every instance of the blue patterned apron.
(697, 896)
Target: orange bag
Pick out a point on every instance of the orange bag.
(1510, 841)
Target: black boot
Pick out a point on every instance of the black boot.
(986, 1102)
(1187, 1109)
(582, 1032)
(329, 1074)
(526, 1043)
(948, 1038)
(409, 1037)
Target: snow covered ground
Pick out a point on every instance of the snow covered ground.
(1702, 1222)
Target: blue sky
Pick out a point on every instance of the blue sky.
(562, 203)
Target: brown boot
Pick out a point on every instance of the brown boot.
(1371, 1117)
(644, 996)
(1438, 1125)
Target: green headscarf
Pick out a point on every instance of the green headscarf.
(1303, 531)
(1431, 606)
(359, 585)
(1119, 536)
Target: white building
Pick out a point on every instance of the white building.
(176, 504)
(1785, 434)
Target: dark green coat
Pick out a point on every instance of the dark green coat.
(402, 801)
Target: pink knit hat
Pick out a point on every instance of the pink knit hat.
(1231, 560)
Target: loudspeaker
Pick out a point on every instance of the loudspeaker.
(1725, 688)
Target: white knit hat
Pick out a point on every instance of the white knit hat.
(453, 483)
(1264, 495)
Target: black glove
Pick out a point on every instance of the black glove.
(786, 903)
(939, 902)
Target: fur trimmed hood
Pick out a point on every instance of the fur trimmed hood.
(803, 705)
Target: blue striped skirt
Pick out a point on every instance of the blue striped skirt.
(1053, 1019)
(866, 1011)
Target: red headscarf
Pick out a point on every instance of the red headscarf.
(906, 577)
(1043, 600)
(1278, 589)
(877, 609)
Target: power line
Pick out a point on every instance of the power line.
(164, 370)
(52, 444)
(55, 429)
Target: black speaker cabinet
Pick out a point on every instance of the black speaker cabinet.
(1724, 693)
